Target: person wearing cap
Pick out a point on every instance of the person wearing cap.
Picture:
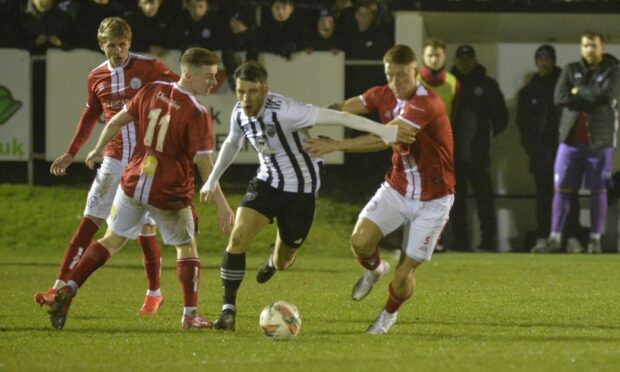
(538, 121)
(480, 116)
(587, 94)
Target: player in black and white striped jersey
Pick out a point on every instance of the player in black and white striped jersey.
(288, 178)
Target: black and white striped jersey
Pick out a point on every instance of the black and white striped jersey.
(277, 134)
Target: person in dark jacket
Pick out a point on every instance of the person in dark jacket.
(538, 120)
(587, 92)
(199, 26)
(283, 33)
(152, 28)
(45, 26)
(241, 43)
(481, 115)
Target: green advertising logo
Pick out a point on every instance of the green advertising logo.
(8, 105)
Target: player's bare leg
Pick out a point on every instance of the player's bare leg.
(364, 243)
(248, 222)
(400, 290)
(280, 257)
(88, 227)
(151, 255)
(188, 273)
(95, 256)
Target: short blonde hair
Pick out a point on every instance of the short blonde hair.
(113, 27)
(400, 55)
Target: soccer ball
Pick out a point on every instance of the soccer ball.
(280, 321)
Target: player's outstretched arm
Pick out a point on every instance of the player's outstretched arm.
(225, 215)
(228, 153)
(115, 124)
(324, 145)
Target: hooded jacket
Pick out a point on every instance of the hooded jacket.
(481, 114)
(597, 97)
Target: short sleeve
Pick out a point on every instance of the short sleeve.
(299, 115)
(417, 112)
(371, 98)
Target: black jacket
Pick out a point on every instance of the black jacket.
(481, 114)
(597, 97)
(538, 120)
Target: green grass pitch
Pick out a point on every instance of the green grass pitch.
(470, 312)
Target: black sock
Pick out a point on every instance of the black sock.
(232, 272)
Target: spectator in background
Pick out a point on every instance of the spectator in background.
(45, 26)
(325, 37)
(433, 74)
(282, 33)
(241, 42)
(538, 120)
(88, 16)
(481, 115)
(368, 41)
(199, 26)
(587, 92)
(153, 31)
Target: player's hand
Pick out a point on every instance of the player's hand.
(40, 40)
(335, 106)
(225, 219)
(60, 165)
(206, 196)
(55, 41)
(406, 133)
(91, 158)
(320, 146)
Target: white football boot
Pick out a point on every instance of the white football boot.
(382, 324)
(364, 285)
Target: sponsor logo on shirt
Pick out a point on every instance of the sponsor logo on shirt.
(117, 104)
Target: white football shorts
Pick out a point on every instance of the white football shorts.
(103, 189)
(128, 215)
(424, 220)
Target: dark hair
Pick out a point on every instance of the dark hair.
(593, 35)
(400, 55)
(251, 71)
(197, 57)
(434, 43)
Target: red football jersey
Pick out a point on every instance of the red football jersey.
(425, 169)
(109, 88)
(172, 126)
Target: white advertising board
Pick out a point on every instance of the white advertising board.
(15, 105)
(67, 74)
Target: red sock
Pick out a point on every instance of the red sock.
(96, 255)
(80, 241)
(372, 262)
(151, 256)
(394, 302)
(188, 272)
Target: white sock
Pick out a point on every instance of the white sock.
(229, 307)
(59, 284)
(380, 269)
(74, 286)
(155, 293)
(189, 311)
(595, 236)
(270, 262)
(555, 236)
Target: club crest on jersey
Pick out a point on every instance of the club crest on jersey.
(270, 129)
(135, 82)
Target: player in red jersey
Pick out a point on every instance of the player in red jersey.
(174, 131)
(110, 85)
(418, 188)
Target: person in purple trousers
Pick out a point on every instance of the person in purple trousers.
(587, 93)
